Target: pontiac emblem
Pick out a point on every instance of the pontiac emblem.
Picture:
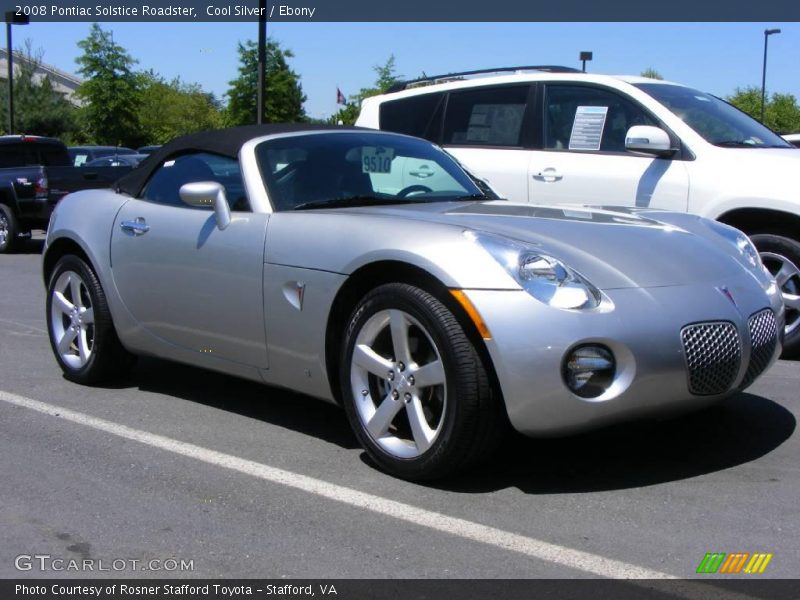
(727, 293)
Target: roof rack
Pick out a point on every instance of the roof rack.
(404, 85)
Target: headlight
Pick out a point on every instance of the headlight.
(545, 278)
(742, 243)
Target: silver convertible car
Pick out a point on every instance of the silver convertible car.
(370, 270)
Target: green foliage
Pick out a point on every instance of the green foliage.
(38, 108)
(172, 108)
(283, 97)
(386, 78)
(651, 73)
(781, 111)
(111, 113)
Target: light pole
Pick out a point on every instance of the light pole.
(12, 18)
(584, 56)
(767, 33)
(262, 59)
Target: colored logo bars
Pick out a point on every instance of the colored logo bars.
(719, 562)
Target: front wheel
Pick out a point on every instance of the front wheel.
(79, 324)
(414, 388)
(781, 256)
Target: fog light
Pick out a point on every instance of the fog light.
(589, 370)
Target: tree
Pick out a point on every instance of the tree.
(386, 78)
(110, 115)
(283, 97)
(781, 111)
(651, 73)
(172, 108)
(38, 108)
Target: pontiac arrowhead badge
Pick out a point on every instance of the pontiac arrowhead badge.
(727, 293)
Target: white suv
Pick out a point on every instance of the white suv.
(553, 135)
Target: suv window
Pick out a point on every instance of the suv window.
(420, 116)
(585, 118)
(486, 117)
(166, 182)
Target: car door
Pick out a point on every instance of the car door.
(487, 129)
(182, 278)
(583, 158)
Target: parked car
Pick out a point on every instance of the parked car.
(35, 173)
(310, 257)
(80, 155)
(148, 149)
(122, 160)
(793, 139)
(553, 135)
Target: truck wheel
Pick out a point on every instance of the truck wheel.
(9, 229)
(781, 255)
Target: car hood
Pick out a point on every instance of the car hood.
(614, 247)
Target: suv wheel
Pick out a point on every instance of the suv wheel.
(781, 255)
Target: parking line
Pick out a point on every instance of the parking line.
(575, 559)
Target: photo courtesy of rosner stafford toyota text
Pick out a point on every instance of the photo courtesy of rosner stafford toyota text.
(399, 301)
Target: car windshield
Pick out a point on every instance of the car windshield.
(717, 121)
(350, 168)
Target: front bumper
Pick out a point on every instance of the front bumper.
(530, 340)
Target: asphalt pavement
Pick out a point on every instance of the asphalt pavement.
(241, 480)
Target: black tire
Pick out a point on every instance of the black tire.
(108, 360)
(9, 229)
(471, 422)
(774, 249)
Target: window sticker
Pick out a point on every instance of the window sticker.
(587, 129)
(376, 159)
(169, 163)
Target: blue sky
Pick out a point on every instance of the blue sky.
(715, 57)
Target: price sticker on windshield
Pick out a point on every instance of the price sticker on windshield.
(376, 159)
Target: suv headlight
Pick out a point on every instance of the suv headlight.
(544, 277)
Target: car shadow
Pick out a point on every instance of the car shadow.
(29, 246)
(643, 453)
(273, 405)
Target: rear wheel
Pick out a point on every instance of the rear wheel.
(79, 323)
(415, 390)
(9, 229)
(781, 256)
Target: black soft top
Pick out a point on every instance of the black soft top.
(226, 142)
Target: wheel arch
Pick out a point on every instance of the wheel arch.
(378, 273)
(763, 220)
(58, 249)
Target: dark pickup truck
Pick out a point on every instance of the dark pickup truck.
(35, 173)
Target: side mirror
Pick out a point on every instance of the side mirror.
(208, 193)
(649, 140)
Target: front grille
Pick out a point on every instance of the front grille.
(713, 356)
(763, 341)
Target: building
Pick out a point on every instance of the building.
(63, 82)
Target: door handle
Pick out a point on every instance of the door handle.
(548, 176)
(423, 172)
(137, 227)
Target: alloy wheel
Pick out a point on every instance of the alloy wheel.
(398, 383)
(72, 320)
(787, 275)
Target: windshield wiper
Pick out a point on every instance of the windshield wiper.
(473, 197)
(737, 144)
(352, 201)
